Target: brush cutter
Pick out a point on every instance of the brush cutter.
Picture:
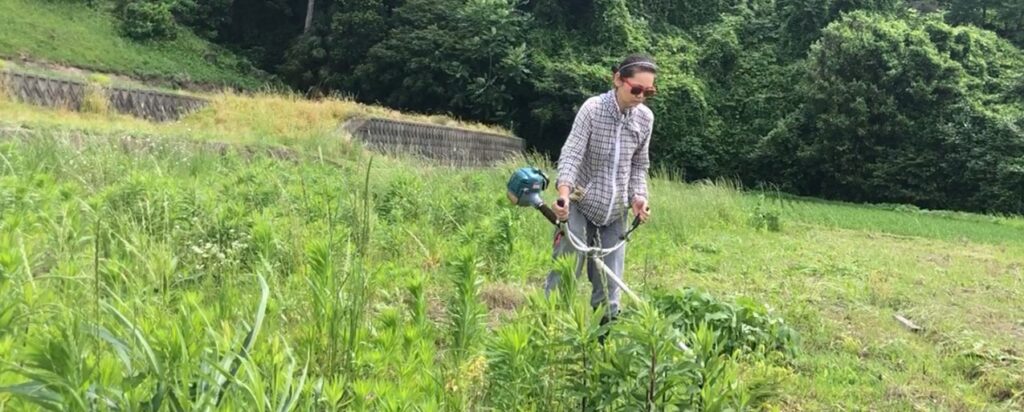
(524, 189)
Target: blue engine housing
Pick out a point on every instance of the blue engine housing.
(525, 185)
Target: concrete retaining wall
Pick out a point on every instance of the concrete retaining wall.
(447, 144)
(52, 92)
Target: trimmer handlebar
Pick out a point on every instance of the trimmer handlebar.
(561, 203)
(548, 213)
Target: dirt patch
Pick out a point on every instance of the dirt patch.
(502, 297)
(502, 301)
(924, 399)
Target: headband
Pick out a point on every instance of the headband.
(641, 63)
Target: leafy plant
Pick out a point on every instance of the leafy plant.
(739, 326)
(764, 216)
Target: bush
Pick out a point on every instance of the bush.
(146, 19)
(741, 326)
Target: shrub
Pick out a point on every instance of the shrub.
(742, 325)
(146, 19)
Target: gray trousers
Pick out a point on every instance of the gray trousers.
(589, 232)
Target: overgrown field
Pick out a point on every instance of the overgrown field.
(175, 280)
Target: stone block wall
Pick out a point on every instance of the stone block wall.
(53, 92)
(446, 144)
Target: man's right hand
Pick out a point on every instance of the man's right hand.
(561, 212)
(561, 206)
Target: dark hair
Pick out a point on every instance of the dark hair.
(635, 63)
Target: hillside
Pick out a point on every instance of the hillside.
(53, 34)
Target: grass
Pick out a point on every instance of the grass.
(143, 272)
(87, 76)
(901, 220)
(71, 34)
(253, 118)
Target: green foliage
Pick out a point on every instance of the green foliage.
(765, 215)
(159, 19)
(449, 52)
(467, 310)
(147, 19)
(889, 115)
(1003, 17)
(326, 56)
(803, 20)
(742, 326)
(206, 18)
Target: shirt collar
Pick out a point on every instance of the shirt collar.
(613, 105)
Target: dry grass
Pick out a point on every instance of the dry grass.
(292, 116)
(230, 117)
(502, 297)
(95, 100)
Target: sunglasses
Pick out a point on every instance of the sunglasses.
(637, 89)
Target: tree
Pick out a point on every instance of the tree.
(206, 18)
(1005, 17)
(448, 55)
(309, 15)
(888, 116)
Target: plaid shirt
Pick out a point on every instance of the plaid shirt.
(606, 157)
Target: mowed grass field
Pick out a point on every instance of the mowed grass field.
(176, 279)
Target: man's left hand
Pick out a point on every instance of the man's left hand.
(641, 209)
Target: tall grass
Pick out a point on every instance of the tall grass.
(180, 280)
(95, 100)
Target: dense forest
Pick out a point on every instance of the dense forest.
(915, 102)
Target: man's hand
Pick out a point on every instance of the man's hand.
(641, 209)
(562, 212)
